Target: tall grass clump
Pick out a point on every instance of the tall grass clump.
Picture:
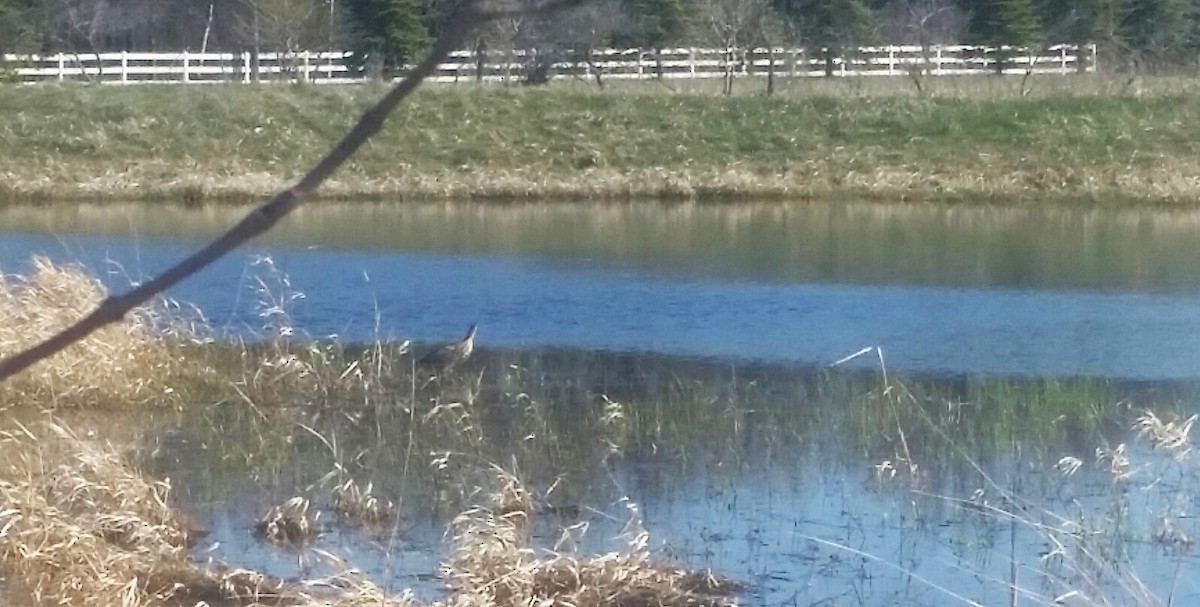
(81, 527)
(122, 364)
(494, 565)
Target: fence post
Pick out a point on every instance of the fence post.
(891, 60)
(1062, 53)
(186, 72)
(1095, 59)
(61, 67)
(937, 70)
(305, 76)
(124, 67)
(246, 66)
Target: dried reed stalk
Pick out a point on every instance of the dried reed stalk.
(120, 364)
(493, 565)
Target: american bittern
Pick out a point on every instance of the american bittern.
(445, 358)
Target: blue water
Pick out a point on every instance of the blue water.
(803, 526)
(800, 520)
(533, 301)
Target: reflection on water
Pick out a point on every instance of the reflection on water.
(799, 283)
(969, 245)
(779, 477)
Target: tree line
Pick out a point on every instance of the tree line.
(383, 34)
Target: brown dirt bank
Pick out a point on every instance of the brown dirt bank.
(1171, 182)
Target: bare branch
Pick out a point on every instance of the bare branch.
(266, 216)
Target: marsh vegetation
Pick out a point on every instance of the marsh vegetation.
(569, 476)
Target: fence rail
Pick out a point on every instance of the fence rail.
(516, 65)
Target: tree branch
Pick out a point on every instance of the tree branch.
(266, 216)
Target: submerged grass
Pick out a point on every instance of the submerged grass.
(1087, 141)
(1086, 555)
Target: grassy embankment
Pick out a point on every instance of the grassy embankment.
(1079, 138)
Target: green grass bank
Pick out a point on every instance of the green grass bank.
(1078, 138)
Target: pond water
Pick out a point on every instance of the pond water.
(714, 326)
(940, 289)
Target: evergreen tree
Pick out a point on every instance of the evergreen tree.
(831, 25)
(386, 34)
(1021, 24)
(439, 14)
(1081, 22)
(1155, 31)
(1193, 28)
(9, 21)
(1004, 22)
(650, 23)
(17, 29)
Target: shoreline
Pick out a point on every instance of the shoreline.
(1157, 187)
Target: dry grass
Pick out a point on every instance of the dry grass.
(290, 523)
(78, 525)
(356, 503)
(493, 565)
(151, 358)
(81, 527)
(843, 174)
(123, 364)
(74, 511)
(1173, 435)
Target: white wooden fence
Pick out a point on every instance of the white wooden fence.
(630, 64)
